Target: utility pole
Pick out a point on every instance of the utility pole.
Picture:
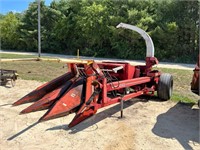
(39, 37)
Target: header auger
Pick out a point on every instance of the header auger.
(89, 86)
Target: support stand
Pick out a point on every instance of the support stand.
(122, 106)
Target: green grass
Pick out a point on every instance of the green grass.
(18, 56)
(36, 70)
(14, 56)
(181, 88)
(183, 99)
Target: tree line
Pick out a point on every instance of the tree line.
(90, 26)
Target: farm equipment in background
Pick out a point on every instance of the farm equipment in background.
(8, 75)
(90, 85)
(195, 79)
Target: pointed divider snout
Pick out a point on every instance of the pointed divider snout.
(88, 112)
(68, 103)
(48, 100)
(44, 89)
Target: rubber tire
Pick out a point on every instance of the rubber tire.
(165, 86)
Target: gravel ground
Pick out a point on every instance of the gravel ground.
(147, 125)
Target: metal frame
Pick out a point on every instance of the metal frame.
(8, 75)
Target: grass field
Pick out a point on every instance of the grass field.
(46, 71)
(182, 80)
(19, 56)
(14, 56)
(36, 70)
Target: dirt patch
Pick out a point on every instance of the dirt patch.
(148, 125)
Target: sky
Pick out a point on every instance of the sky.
(16, 5)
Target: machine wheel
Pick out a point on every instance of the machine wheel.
(165, 86)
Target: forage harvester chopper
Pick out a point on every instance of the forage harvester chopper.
(89, 85)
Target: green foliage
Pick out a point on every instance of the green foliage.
(68, 25)
(13, 56)
(183, 99)
(1, 16)
(28, 28)
(8, 27)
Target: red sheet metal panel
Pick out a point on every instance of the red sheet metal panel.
(49, 99)
(44, 89)
(67, 103)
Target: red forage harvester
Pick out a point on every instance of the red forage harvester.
(89, 86)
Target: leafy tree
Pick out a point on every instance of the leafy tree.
(68, 25)
(28, 28)
(184, 16)
(49, 21)
(1, 16)
(66, 30)
(8, 26)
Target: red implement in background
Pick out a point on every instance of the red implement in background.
(195, 80)
(89, 86)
